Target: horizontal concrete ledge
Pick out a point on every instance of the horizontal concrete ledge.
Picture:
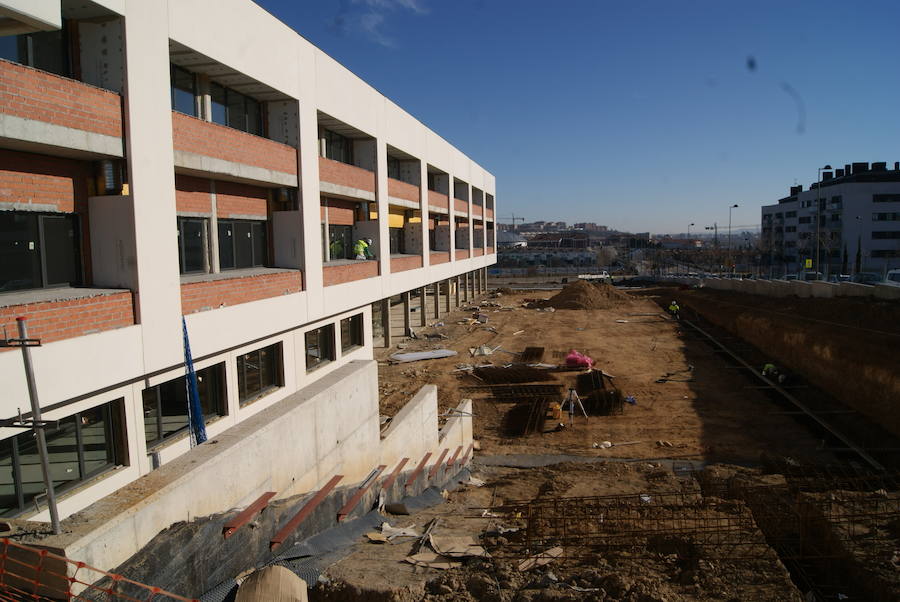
(52, 295)
(195, 164)
(31, 135)
(348, 192)
(403, 203)
(233, 274)
(441, 210)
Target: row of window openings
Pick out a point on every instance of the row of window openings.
(91, 442)
(227, 107)
(242, 244)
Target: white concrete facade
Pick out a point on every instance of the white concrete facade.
(850, 217)
(79, 373)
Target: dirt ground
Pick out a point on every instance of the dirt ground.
(715, 417)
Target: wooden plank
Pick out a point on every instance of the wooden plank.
(454, 457)
(353, 501)
(304, 512)
(437, 464)
(466, 456)
(390, 481)
(247, 515)
(412, 477)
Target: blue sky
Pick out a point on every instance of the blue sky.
(641, 115)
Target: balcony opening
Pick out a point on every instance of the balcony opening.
(347, 226)
(40, 250)
(405, 231)
(404, 169)
(477, 197)
(460, 190)
(341, 142)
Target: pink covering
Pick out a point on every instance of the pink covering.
(578, 359)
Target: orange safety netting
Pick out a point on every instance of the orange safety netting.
(28, 573)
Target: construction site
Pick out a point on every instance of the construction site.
(619, 451)
(624, 454)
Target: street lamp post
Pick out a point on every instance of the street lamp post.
(730, 261)
(715, 229)
(819, 212)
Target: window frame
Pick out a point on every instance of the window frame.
(256, 246)
(173, 69)
(221, 405)
(356, 337)
(115, 440)
(38, 229)
(204, 237)
(345, 147)
(277, 373)
(324, 333)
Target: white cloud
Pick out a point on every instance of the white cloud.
(370, 17)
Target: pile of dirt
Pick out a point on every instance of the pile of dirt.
(584, 295)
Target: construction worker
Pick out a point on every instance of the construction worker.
(769, 370)
(674, 310)
(336, 249)
(361, 248)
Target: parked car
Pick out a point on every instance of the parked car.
(790, 277)
(867, 278)
(892, 278)
(811, 276)
(839, 278)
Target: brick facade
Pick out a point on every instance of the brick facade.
(192, 194)
(459, 205)
(403, 190)
(489, 214)
(34, 94)
(478, 251)
(234, 199)
(338, 274)
(49, 184)
(436, 257)
(340, 213)
(202, 296)
(401, 264)
(213, 140)
(56, 320)
(335, 172)
(476, 210)
(462, 253)
(437, 199)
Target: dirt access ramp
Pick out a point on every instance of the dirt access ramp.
(847, 346)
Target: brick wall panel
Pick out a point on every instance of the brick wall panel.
(403, 190)
(459, 205)
(462, 253)
(438, 200)
(338, 274)
(342, 174)
(57, 320)
(192, 194)
(402, 264)
(34, 94)
(233, 199)
(201, 296)
(213, 140)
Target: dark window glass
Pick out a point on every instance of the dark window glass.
(48, 52)
(340, 242)
(81, 447)
(183, 91)
(351, 332)
(254, 117)
(319, 346)
(432, 239)
(191, 245)
(237, 113)
(432, 181)
(12, 48)
(886, 235)
(226, 245)
(38, 250)
(396, 237)
(337, 147)
(166, 405)
(259, 372)
(886, 198)
(219, 104)
(242, 244)
(60, 249)
(393, 168)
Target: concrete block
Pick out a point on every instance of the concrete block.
(853, 289)
(823, 289)
(887, 291)
(801, 289)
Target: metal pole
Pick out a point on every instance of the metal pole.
(38, 430)
(818, 210)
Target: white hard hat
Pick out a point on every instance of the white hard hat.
(369, 241)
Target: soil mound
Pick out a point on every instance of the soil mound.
(584, 295)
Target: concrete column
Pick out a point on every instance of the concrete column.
(213, 229)
(151, 173)
(423, 306)
(485, 272)
(466, 287)
(407, 327)
(423, 204)
(437, 300)
(473, 284)
(457, 292)
(381, 196)
(447, 295)
(386, 321)
(452, 216)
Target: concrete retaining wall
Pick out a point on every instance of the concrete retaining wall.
(786, 288)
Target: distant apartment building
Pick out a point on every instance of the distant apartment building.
(167, 159)
(855, 211)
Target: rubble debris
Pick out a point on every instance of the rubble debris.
(456, 546)
(392, 533)
(432, 560)
(518, 332)
(421, 355)
(396, 508)
(532, 355)
(541, 559)
(517, 374)
(583, 295)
